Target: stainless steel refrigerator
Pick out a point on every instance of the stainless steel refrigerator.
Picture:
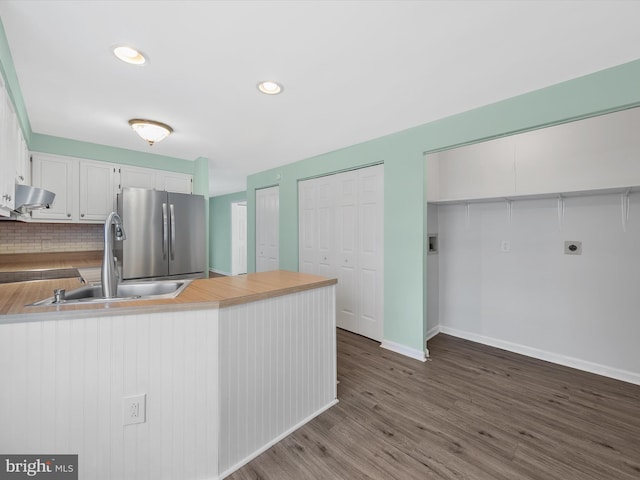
(165, 234)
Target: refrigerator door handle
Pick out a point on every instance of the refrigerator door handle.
(173, 231)
(165, 230)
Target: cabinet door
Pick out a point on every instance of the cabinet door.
(97, 197)
(14, 163)
(7, 189)
(137, 177)
(174, 182)
(23, 165)
(57, 175)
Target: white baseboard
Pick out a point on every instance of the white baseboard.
(404, 350)
(618, 374)
(432, 332)
(266, 447)
(221, 272)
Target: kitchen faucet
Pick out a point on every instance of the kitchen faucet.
(108, 272)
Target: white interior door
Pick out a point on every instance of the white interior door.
(370, 251)
(267, 225)
(342, 236)
(308, 236)
(238, 238)
(345, 247)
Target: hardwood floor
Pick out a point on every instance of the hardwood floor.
(472, 412)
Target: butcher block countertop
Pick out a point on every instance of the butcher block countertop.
(200, 294)
(49, 260)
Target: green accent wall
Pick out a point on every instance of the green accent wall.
(92, 151)
(220, 230)
(405, 190)
(12, 85)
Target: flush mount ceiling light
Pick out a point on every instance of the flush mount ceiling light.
(129, 54)
(269, 87)
(150, 130)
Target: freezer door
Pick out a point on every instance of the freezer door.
(186, 234)
(145, 217)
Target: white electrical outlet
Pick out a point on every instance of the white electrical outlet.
(134, 409)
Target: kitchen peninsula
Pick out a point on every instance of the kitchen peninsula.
(227, 368)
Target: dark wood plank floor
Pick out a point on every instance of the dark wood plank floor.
(472, 412)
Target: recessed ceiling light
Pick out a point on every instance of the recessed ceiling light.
(269, 87)
(150, 130)
(129, 55)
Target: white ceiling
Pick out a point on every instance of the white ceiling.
(352, 70)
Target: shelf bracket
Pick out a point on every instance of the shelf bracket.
(624, 204)
(467, 214)
(509, 210)
(560, 211)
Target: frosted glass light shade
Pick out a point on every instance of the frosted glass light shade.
(150, 130)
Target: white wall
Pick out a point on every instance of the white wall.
(582, 311)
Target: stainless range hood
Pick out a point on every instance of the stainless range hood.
(32, 198)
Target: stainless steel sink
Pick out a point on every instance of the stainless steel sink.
(126, 291)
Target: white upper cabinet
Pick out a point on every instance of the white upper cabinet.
(154, 179)
(96, 185)
(7, 189)
(23, 165)
(174, 182)
(14, 157)
(597, 153)
(86, 189)
(136, 177)
(60, 176)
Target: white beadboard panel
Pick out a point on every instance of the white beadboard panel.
(67, 379)
(277, 370)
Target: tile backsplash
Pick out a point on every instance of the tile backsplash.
(19, 237)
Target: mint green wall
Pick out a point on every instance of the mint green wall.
(12, 85)
(104, 153)
(220, 230)
(405, 191)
